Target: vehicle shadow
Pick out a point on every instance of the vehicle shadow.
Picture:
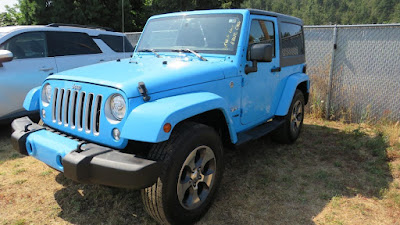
(6, 150)
(5, 131)
(264, 182)
(96, 204)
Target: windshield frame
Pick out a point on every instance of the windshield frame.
(203, 51)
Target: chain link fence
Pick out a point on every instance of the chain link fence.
(354, 70)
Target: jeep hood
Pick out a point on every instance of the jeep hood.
(158, 74)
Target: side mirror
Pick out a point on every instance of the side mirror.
(5, 56)
(261, 52)
(258, 53)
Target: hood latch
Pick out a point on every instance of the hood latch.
(143, 91)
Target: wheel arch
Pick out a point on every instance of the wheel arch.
(145, 122)
(299, 81)
(216, 119)
(303, 87)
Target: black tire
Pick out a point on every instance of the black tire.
(161, 200)
(291, 128)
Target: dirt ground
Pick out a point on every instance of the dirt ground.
(335, 173)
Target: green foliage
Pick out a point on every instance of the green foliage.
(165, 6)
(333, 11)
(5, 19)
(11, 17)
(107, 13)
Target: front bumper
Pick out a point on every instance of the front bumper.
(85, 163)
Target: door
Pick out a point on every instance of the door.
(259, 88)
(29, 68)
(73, 49)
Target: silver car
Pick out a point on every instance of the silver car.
(28, 54)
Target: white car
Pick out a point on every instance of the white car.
(28, 54)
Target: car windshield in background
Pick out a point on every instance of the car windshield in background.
(117, 43)
(211, 33)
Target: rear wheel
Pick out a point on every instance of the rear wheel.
(293, 121)
(193, 168)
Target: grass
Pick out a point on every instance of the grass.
(46, 173)
(336, 173)
(20, 181)
(16, 172)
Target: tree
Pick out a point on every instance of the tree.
(333, 11)
(395, 17)
(10, 17)
(165, 6)
(105, 13)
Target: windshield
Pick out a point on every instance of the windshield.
(211, 33)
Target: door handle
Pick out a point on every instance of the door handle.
(46, 69)
(276, 69)
(101, 60)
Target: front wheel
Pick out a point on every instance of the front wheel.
(293, 121)
(193, 167)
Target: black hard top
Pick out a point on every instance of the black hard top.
(281, 17)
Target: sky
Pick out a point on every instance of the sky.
(3, 3)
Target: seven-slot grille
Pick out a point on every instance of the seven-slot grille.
(77, 110)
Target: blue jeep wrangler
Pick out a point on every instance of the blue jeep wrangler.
(197, 81)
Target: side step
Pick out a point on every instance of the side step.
(259, 131)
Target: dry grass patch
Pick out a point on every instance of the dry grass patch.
(336, 173)
(358, 210)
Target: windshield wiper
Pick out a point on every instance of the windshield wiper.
(190, 51)
(150, 50)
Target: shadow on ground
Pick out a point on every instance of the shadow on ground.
(5, 130)
(95, 204)
(264, 182)
(6, 150)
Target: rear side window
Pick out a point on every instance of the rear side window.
(27, 45)
(262, 32)
(71, 43)
(292, 39)
(117, 43)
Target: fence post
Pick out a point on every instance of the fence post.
(334, 47)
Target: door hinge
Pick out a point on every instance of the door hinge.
(276, 69)
(242, 82)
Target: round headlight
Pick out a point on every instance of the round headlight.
(46, 94)
(118, 106)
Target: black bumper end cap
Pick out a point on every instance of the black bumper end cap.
(101, 165)
(21, 128)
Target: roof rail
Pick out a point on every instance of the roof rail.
(80, 26)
